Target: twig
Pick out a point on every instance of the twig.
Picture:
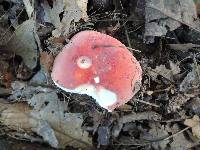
(148, 103)
(173, 135)
(135, 50)
(172, 120)
(137, 28)
(127, 37)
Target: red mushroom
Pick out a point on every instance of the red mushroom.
(100, 66)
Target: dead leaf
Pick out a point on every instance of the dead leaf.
(147, 115)
(66, 126)
(48, 118)
(103, 135)
(197, 2)
(194, 105)
(133, 117)
(51, 15)
(29, 7)
(175, 69)
(177, 101)
(191, 81)
(55, 45)
(97, 118)
(180, 142)
(42, 77)
(46, 60)
(160, 70)
(194, 123)
(156, 136)
(21, 91)
(5, 91)
(72, 11)
(6, 75)
(25, 43)
(165, 15)
(5, 33)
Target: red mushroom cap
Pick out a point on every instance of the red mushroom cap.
(100, 66)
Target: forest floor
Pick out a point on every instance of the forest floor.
(164, 37)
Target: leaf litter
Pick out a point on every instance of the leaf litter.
(163, 115)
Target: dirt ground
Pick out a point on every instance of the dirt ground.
(164, 36)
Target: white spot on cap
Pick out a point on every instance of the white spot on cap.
(103, 97)
(84, 62)
(97, 79)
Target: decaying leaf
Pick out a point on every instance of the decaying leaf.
(133, 117)
(194, 105)
(15, 116)
(29, 7)
(194, 123)
(164, 15)
(42, 77)
(5, 34)
(25, 43)
(6, 76)
(103, 135)
(46, 60)
(48, 118)
(66, 125)
(175, 69)
(21, 91)
(177, 101)
(163, 71)
(52, 14)
(156, 136)
(191, 81)
(180, 141)
(72, 11)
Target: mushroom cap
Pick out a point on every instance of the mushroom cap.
(100, 66)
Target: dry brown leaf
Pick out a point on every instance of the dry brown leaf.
(175, 69)
(162, 16)
(72, 11)
(25, 43)
(46, 60)
(180, 141)
(156, 135)
(194, 123)
(191, 81)
(163, 71)
(15, 116)
(47, 118)
(177, 101)
(148, 115)
(125, 107)
(160, 70)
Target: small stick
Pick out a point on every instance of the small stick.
(173, 135)
(144, 102)
(127, 37)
